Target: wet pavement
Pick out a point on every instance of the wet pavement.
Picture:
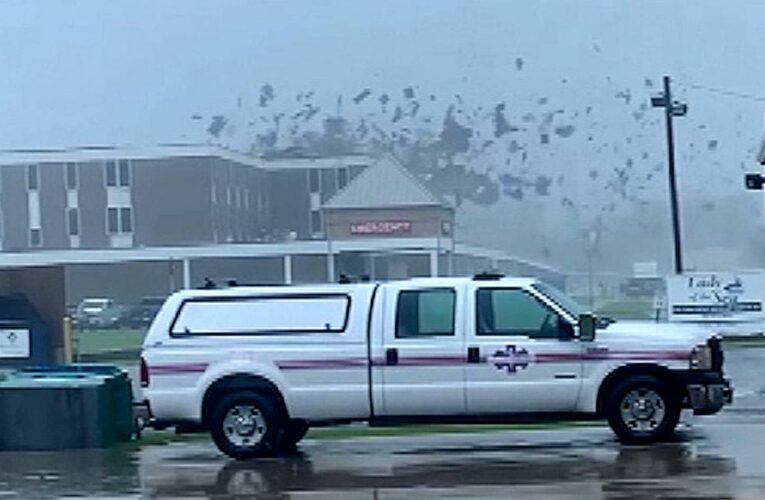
(715, 457)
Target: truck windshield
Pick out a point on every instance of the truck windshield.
(567, 303)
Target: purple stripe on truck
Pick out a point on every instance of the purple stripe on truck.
(178, 368)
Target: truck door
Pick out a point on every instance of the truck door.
(522, 354)
(420, 360)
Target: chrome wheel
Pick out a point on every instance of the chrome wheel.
(244, 425)
(642, 410)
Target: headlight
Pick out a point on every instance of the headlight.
(701, 358)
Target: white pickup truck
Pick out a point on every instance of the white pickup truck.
(256, 366)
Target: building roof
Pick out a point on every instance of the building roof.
(385, 184)
(103, 153)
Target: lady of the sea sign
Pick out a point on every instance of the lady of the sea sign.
(716, 296)
(14, 343)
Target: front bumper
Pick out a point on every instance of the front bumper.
(706, 399)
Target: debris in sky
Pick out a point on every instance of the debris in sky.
(564, 130)
(596, 47)
(397, 114)
(542, 101)
(544, 138)
(624, 94)
(501, 126)
(362, 95)
(409, 93)
(648, 82)
(216, 125)
(519, 63)
(542, 185)
(384, 99)
(712, 144)
(593, 174)
(196, 116)
(454, 138)
(266, 95)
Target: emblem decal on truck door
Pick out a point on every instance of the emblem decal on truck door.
(511, 359)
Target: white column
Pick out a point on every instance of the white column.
(433, 263)
(186, 274)
(288, 269)
(331, 267)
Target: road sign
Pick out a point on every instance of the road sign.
(710, 296)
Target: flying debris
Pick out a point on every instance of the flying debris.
(361, 96)
(216, 125)
(266, 95)
(519, 62)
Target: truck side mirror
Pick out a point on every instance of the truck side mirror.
(587, 323)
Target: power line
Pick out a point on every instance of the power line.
(725, 92)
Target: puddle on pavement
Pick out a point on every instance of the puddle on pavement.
(367, 467)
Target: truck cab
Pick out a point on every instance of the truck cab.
(258, 365)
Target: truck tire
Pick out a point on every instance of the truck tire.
(642, 409)
(247, 425)
(294, 431)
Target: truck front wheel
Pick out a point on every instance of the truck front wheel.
(642, 409)
(246, 425)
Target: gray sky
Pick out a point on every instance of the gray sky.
(77, 72)
(87, 72)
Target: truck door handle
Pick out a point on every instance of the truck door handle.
(391, 356)
(474, 355)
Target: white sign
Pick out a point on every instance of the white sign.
(725, 296)
(14, 343)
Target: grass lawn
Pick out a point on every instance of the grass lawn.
(627, 309)
(91, 343)
(353, 431)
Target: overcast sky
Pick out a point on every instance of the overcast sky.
(89, 72)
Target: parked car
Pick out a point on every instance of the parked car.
(256, 366)
(99, 313)
(142, 314)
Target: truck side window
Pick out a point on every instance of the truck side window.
(514, 312)
(425, 313)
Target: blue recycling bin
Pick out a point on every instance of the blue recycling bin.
(25, 338)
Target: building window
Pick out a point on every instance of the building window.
(124, 173)
(73, 221)
(342, 177)
(33, 177)
(71, 176)
(315, 221)
(126, 220)
(111, 173)
(118, 173)
(119, 220)
(35, 237)
(314, 183)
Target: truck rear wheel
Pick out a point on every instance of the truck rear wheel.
(246, 425)
(642, 409)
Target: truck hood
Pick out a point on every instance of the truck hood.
(680, 334)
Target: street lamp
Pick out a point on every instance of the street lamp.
(672, 109)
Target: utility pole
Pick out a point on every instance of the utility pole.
(671, 110)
